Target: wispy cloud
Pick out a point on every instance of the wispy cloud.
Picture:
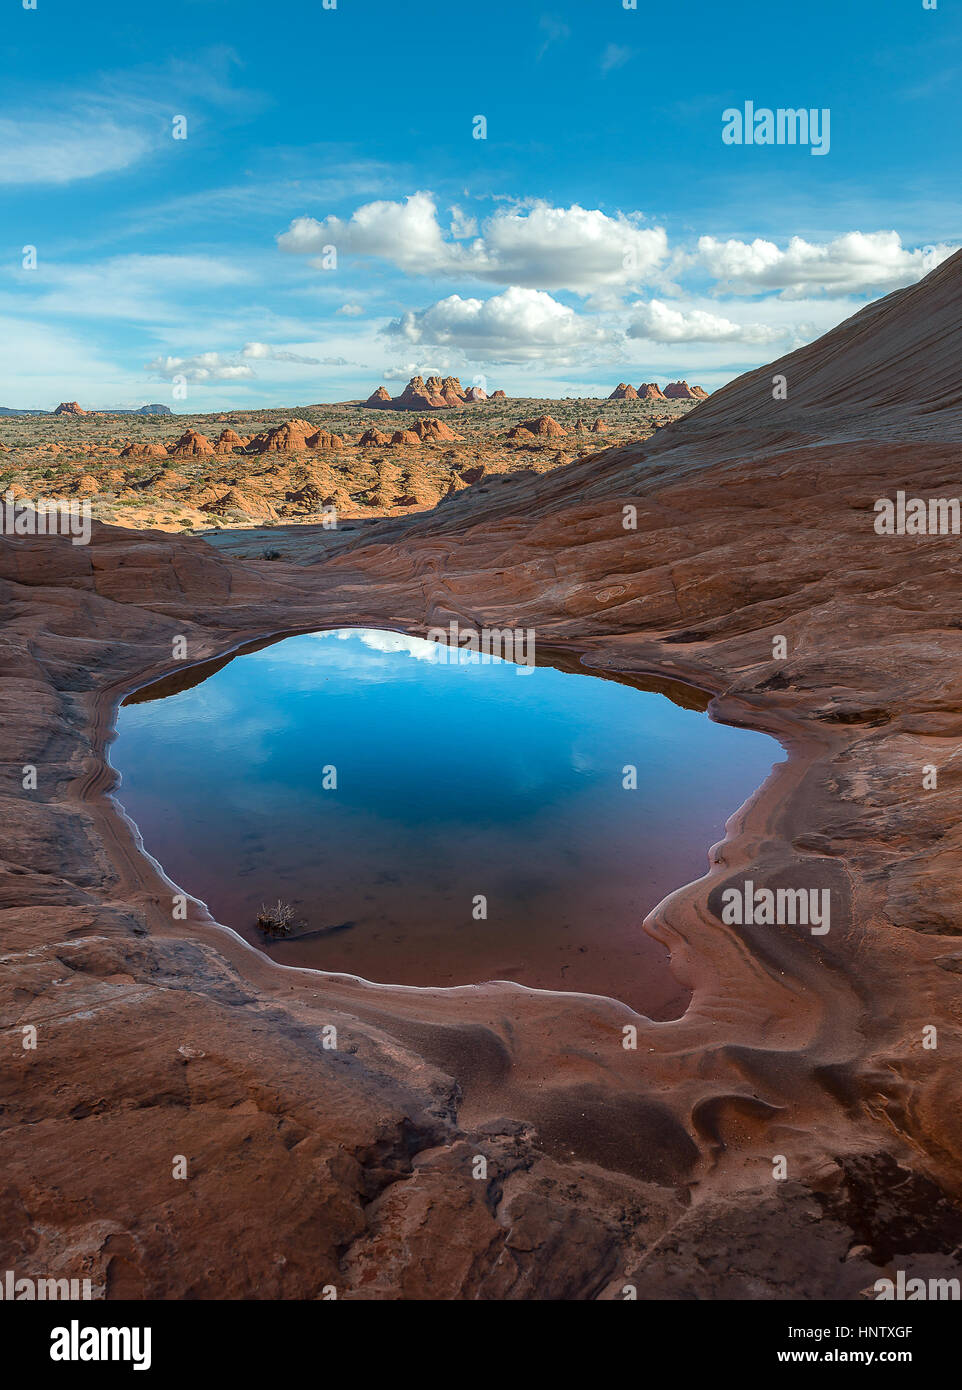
(616, 55)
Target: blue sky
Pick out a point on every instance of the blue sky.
(603, 231)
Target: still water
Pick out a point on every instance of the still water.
(393, 798)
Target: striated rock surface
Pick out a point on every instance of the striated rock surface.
(607, 1164)
(623, 392)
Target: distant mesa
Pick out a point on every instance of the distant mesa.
(437, 393)
(69, 408)
(623, 392)
(543, 426)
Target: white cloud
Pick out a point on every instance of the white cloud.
(52, 152)
(408, 234)
(131, 287)
(615, 56)
(858, 262)
(517, 325)
(265, 353)
(204, 366)
(576, 248)
(662, 323)
(351, 310)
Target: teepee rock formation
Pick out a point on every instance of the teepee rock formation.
(437, 393)
(679, 391)
(283, 439)
(69, 408)
(544, 426)
(650, 391)
(623, 392)
(228, 440)
(191, 445)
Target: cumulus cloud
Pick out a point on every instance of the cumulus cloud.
(204, 366)
(265, 352)
(351, 310)
(542, 247)
(853, 263)
(407, 234)
(663, 323)
(517, 325)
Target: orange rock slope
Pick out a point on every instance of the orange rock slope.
(653, 1166)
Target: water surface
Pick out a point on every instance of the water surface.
(455, 780)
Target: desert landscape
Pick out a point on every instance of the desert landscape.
(246, 468)
(609, 1166)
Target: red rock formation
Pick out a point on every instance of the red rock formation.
(227, 441)
(475, 393)
(435, 429)
(283, 439)
(599, 427)
(698, 392)
(418, 396)
(190, 444)
(380, 400)
(324, 439)
(623, 392)
(650, 391)
(497, 396)
(373, 437)
(144, 451)
(679, 391)
(405, 437)
(69, 408)
(544, 426)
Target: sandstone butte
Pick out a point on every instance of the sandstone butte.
(610, 1165)
(651, 391)
(436, 393)
(69, 408)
